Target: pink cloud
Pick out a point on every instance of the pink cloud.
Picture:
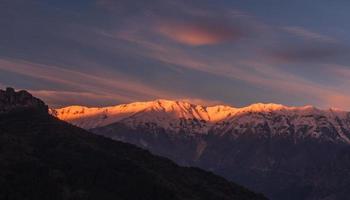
(64, 98)
(120, 87)
(197, 33)
(339, 101)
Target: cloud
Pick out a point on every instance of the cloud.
(120, 88)
(262, 71)
(339, 95)
(310, 52)
(307, 34)
(87, 89)
(338, 101)
(198, 33)
(56, 98)
(259, 74)
(180, 21)
(313, 47)
(151, 31)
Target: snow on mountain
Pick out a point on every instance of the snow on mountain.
(297, 122)
(176, 116)
(161, 112)
(165, 113)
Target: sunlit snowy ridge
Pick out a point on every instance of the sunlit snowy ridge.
(176, 116)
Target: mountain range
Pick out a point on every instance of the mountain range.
(42, 157)
(284, 152)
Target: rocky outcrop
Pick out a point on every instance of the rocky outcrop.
(10, 100)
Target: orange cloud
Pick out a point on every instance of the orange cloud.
(197, 33)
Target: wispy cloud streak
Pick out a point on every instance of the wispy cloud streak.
(260, 75)
(307, 34)
(120, 88)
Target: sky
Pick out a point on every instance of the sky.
(107, 52)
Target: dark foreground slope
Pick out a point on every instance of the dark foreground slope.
(44, 158)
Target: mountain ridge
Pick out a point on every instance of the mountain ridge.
(164, 104)
(177, 116)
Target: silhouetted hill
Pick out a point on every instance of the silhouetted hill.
(42, 157)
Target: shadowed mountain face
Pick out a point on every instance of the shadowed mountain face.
(42, 157)
(276, 166)
(289, 153)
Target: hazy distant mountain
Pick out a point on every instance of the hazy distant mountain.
(284, 152)
(42, 158)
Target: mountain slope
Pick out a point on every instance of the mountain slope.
(284, 152)
(45, 158)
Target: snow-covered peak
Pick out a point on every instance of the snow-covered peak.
(262, 107)
(177, 109)
(220, 112)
